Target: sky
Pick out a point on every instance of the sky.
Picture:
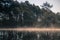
(55, 3)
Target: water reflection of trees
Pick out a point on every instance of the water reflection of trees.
(13, 35)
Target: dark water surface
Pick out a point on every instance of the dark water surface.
(16, 35)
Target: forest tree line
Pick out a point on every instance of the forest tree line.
(24, 14)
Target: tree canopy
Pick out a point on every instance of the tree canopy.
(24, 14)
